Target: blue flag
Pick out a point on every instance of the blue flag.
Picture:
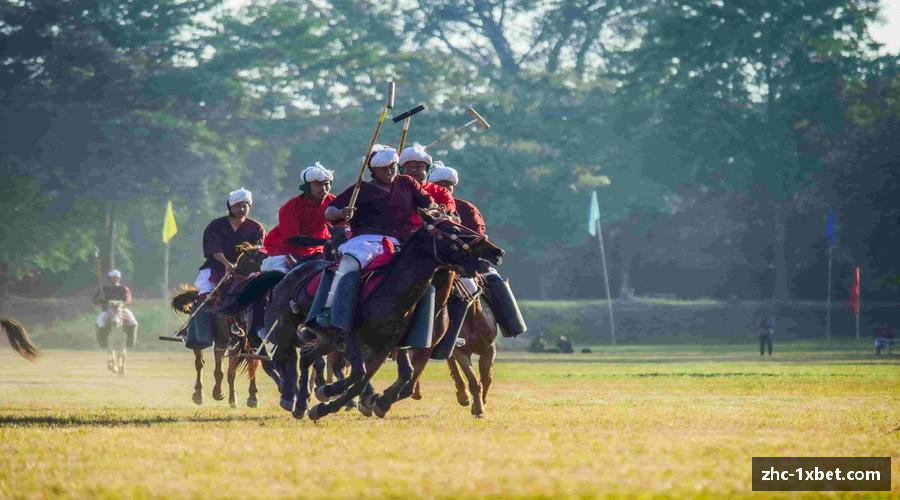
(594, 214)
(829, 229)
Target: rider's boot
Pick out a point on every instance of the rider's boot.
(457, 308)
(336, 318)
(130, 336)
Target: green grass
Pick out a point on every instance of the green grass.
(623, 421)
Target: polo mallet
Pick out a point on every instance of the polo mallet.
(476, 118)
(388, 104)
(175, 338)
(406, 118)
(257, 354)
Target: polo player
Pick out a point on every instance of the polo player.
(302, 216)
(115, 290)
(500, 298)
(417, 163)
(384, 209)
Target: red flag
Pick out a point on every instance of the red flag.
(854, 294)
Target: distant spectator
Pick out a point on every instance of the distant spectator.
(538, 344)
(565, 345)
(884, 337)
(766, 332)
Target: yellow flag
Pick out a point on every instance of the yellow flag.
(169, 227)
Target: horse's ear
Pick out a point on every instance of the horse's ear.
(426, 217)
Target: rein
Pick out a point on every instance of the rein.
(466, 241)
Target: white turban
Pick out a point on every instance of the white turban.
(114, 274)
(240, 195)
(375, 148)
(317, 172)
(442, 173)
(384, 158)
(416, 152)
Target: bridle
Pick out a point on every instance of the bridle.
(466, 241)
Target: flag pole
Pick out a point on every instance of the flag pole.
(858, 307)
(165, 289)
(612, 319)
(828, 301)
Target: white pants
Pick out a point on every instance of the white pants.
(203, 284)
(276, 263)
(365, 248)
(127, 318)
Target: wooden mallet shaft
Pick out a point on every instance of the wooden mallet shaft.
(476, 118)
(389, 104)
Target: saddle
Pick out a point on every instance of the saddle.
(370, 277)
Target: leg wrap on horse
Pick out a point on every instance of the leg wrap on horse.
(130, 336)
(344, 298)
(103, 335)
(504, 306)
(287, 373)
(420, 330)
(456, 309)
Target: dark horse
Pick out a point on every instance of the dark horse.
(384, 318)
(248, 262)
(18, 339)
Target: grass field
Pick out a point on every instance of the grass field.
(626, 421)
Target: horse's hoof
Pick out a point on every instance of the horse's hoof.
(478, 415)
(317, 412)
(477, 412)
(232, 404)
(218, 395)
(320, 394)
(365, 410)
(286, 404)
(252, 403)
(198, 398)
(416, 396)
(379, 410)
(299, 413)
(350, 405)
(462, 400)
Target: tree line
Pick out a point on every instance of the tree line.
(724, 130)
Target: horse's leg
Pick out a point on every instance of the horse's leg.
(361, 373)
(320, 367)
(420, 358)
(232, 371)
(325, 393)
(390, 396)
(121, 364)
(307, 360)
(486, 370)
(252, 369)
(465, 363)
(218, 374)
(198, 384)
(462, 397)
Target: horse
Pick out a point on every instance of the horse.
(384, 317)
(411, 363)
(18, 339)
(115, 353)
(479, 330)
(248, 263)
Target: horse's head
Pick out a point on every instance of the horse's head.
(459, 248)
(250, 259)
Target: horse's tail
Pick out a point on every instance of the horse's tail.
(251, 290)
(184, 300)
(18, 339)
(242, 364)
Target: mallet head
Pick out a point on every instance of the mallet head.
(474, 114)
(407, 114)
(389, 102)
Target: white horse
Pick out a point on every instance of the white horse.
(117, 317)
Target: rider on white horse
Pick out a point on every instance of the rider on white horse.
(115, 291)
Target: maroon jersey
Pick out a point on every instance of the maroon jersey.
(113, 292)
(382, 212)
(470, 216)
(220, 237)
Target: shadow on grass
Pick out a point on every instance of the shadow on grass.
(619, 359)
(113, 421)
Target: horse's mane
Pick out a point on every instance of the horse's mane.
(184, 299)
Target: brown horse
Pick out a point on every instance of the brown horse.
(18, 339)
(479, 330)
(248, 262)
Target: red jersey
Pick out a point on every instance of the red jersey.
(300, 216)
(470, 216)
(440, 195)
(385, 212)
